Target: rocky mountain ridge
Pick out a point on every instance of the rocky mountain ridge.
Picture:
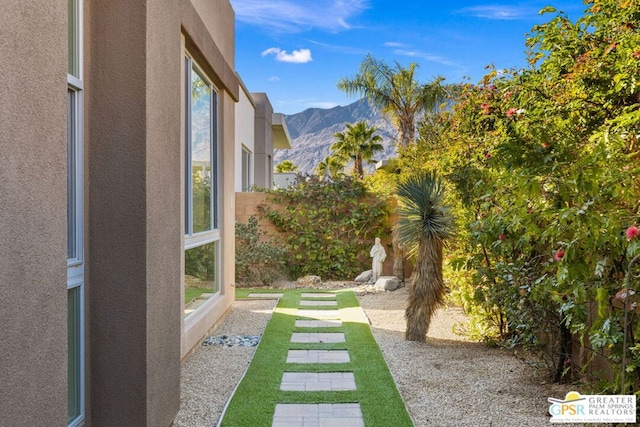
(312, 133)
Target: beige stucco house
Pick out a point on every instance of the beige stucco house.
(259, 130)
(117, 183)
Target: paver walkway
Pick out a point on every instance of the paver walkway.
(326, 379)
(319, 414)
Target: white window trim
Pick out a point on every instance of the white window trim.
(193, 240)
(75, 265)
(249, 172)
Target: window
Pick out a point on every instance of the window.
(246, 170)
(75, 227)
(202, 233)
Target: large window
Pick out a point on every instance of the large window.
(75, 213)
(246, 170)
(202, 233)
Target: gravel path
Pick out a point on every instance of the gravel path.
(211, 373)
(446, 381)
(449, 381)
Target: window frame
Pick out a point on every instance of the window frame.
(201, 238)
(75, 212)
(246, 173)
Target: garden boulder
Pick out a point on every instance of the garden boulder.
(387, 283)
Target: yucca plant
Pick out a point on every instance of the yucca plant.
(424, 224)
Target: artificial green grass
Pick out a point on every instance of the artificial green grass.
(255, 399)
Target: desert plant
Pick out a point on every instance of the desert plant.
(400, 97)
(424, 223)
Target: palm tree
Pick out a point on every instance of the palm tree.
(399, 96)
(357, 143)
(424, 225)
(286, 166)
(396, 92)
(331, 166)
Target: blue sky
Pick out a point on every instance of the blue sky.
(297, 50)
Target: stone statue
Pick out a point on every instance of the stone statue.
(379, 255)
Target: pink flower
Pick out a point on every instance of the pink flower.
(558, 255)
(632, 232)
(545, 145)
(507, 95)
(512, 112)
(486, 108)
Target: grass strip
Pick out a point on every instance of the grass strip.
(255, 399)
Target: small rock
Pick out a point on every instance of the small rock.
(387, 283)
(364, 277)
(233, 341)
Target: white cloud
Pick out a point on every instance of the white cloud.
(497, 12)
(424, 55)
(393, 44)
(299, 56)
(296, 16)
(273, 78)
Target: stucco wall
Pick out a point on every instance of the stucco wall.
(219, 19)
(245, 134)
(132, 111)
(264, 140)
(33, 253)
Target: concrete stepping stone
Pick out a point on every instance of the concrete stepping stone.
(318, 323)
(305, 303)
(266, 295)
(317, 295)
(318, 314)
(318, 415)
(317, 337)
(317, 381)
(318, 356)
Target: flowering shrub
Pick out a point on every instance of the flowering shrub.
(543, 163)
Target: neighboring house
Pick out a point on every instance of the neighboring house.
(245, 140)
(258, 132)
(117, 185)
(271, 133)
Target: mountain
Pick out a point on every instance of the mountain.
(312, 132)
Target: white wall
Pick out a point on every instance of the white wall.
(245, 133)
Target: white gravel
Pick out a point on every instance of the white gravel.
(447, 381)
(211, 373)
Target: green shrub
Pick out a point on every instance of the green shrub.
(258, 260)
(328, 227)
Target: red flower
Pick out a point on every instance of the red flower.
(486, 108)
(545, 145)
(502, 237)
(632, 232)
(558, 255)
(512, 112)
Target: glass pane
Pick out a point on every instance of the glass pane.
(245, 171)
(201, 149)
(71, 176)
(200, 275)
(74, 343)
(73, 38)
